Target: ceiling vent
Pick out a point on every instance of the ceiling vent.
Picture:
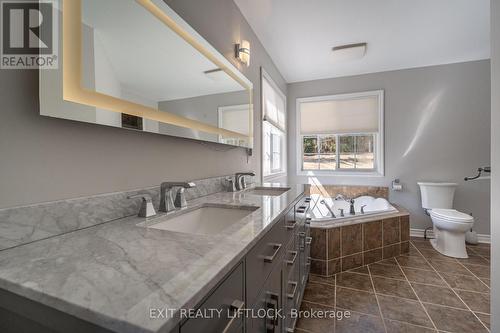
(349, 52)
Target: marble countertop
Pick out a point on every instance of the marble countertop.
(112, 274)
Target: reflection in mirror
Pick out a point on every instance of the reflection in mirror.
(129, 54)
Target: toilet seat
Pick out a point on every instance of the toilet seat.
(451, 216)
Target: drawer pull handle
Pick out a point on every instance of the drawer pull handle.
(291, 262)
(308, 220)
(235, 307)
(292, 329)
(308, 263)
(292, 294)
(273, 303)
(291, 225)
(277, 248)
(308, 240)
(301, 211)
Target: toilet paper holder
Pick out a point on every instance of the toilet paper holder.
(396, 185)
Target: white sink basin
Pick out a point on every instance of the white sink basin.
(269, 191)
(204, 220)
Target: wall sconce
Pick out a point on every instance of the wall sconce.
(242, 52)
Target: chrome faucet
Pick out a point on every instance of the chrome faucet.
(323, 202)
(167, 202)
(239, 179)
(349, 200)
(147, 209)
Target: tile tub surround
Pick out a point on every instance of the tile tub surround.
(22, 225)
(112, 274)
(358, 242)
(409, 293)
(349, 191)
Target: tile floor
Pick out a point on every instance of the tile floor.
(422, 291)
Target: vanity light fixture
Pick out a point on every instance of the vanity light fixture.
(242, 52)
(349, 52)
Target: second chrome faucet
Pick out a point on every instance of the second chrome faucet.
(172, 195)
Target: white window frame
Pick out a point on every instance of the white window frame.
(283, 171)
(378, 145)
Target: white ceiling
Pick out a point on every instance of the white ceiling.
(299, 34)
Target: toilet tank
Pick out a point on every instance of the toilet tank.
(437, 195)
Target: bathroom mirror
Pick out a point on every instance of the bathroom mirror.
(136, 64)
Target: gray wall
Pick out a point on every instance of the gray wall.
(443, 110)
(495, 164)
(43, 159)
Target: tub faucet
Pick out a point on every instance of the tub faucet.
(323, 202)
(167, 202)
(349, 200)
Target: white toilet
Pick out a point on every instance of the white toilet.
(449, 224)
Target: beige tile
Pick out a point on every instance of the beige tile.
(354, 281)
(360, 301)
(423, 276)
(359, 323)
(477, 302)
(315, 325)
(320, 293)
(465, 282)
(438, 295)
(454, 320)
(389, 271)
(486, 281)
(404, 310)
(393, 287)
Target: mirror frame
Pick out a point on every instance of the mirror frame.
(73, 90)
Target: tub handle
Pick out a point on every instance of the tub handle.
(363, 209)
(341, 212)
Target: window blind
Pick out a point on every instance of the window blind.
(341, 116)
(274, 106)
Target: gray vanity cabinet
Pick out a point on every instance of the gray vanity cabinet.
(263, 317)
(228, 298)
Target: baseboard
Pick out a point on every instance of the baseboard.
(482, 238)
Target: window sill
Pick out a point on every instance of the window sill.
(274, 176)
(340, 174)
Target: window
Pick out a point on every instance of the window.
(273, 128)
(341, 134)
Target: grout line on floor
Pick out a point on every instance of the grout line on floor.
(374, 291)
(418, 298)
(457, 294)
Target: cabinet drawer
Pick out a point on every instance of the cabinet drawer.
(261, 259)
(290, 258)
(228, 296)
(291, 223)
(268, 300)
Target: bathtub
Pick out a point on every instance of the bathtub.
(373, 207)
